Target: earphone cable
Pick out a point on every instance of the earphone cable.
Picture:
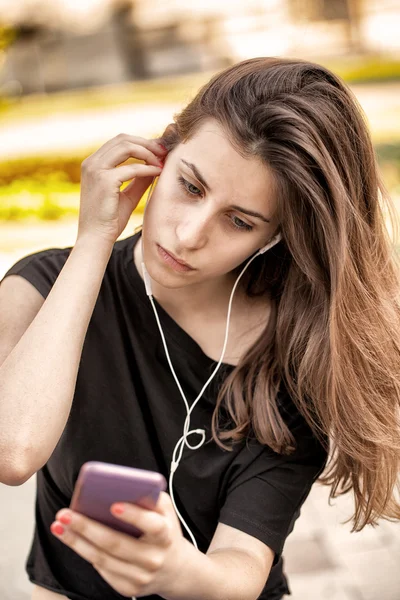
(183, 439)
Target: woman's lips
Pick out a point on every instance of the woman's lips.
(170, 260)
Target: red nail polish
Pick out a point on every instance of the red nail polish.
(66, 519)
(57, 528)
(118, 509)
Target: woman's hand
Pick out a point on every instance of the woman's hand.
(104, 209)
(131, 566)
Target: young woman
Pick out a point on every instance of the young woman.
(311, 369)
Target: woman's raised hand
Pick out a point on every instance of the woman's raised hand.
(104, 209)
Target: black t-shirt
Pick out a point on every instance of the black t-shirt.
(128, 410)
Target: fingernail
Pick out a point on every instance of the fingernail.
(57, 529)
(163, 147)
(118, 509)
(66, 518)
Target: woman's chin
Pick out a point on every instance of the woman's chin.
(162, 272)
(166, 277)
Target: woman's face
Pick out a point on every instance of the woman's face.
(210, 229)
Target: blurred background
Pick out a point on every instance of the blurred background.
(75, 73)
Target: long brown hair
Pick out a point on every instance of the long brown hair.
(334, 277)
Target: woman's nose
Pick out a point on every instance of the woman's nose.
(193, 231)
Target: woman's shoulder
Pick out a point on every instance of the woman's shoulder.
(42, 267)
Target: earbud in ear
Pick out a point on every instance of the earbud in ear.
(277, 238)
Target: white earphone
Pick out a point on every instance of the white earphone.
(273, 241)
(178, 450)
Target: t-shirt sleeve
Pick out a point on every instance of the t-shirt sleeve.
(41, 269)
(266, 490)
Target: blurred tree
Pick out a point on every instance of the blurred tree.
(218, 53)
(130, 40)
(354, 23)
(350, 12)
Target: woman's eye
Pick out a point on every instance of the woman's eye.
(239, 224)
(192, 190)
(188, 187)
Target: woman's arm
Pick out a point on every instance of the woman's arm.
(236, 567)
(38, 377)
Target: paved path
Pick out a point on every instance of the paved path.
(323, 560)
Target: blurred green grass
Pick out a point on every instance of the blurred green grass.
(369, 68)
(47, 187)
(49, 200)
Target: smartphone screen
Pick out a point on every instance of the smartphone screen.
(100, 484)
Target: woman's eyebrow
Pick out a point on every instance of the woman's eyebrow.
(252, 213)
(200, 177)
(197, 174)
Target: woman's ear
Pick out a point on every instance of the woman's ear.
(170, 137)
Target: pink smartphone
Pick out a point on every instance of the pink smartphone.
(100, 484)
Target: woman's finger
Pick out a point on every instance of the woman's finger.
(137, 187)
(121, 546)
(151, 145)
(126, 149)
(155, 526)
(127, 172)
(120, 574)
